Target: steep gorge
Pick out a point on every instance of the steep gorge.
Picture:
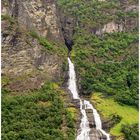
(35, 35)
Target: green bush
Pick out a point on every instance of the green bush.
(107, 74)
(44, 42)
(35, 115)
(8, 17)
(131, 131)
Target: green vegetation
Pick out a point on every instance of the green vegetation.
(131, 131)
(108, 62)
(126, 114)
(36, 115)
(55, 47)
(94, 14)
(73, 112)
(110, 69)
(8, 17)
(41, 40)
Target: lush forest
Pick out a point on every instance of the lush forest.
(106, 62)
(36, 115)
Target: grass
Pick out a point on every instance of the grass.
(8, 17)
(5, 80)
(73, 112)
(42, 41)
(107, 107)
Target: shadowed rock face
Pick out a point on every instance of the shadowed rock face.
(67, 23)
(69, 44)
(90, 116)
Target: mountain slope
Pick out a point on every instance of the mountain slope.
(105, 50)
(103, 37)
(35, 105)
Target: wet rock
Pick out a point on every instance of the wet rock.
(76, 102)
(96, 135)
(90, 116)
(101, 135)
(69, 44)
(68, 24)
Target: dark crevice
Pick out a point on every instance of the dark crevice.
(69, 44)
(68, 40)
(67, 32)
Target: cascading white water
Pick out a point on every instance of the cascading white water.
(97, 118)
(84, 133)
(84, 126)
(72, 80)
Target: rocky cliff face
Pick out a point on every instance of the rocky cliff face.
(40, 15)
(67, 25)
(123, 24)
(26, 64)
(23, 57)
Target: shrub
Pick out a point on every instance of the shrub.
(44, 42)
(131, 131)
(37, 115)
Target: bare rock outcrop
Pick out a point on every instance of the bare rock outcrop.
(22, 54)
(38, 15)
(110, 27)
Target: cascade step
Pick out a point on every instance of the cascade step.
(76, 102)
(88, 113)
(90, 116)
(96, 135)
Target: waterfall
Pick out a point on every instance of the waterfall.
(84, 133)
(97, 119)
(84, 126)
(72, 80)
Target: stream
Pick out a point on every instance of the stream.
(85, 130)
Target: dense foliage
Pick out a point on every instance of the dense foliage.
(111, 70)
(36, 115)
(106, 62)
(131, 132)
